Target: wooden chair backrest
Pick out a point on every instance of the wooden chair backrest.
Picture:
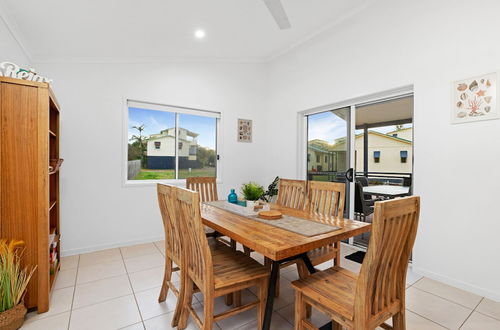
(326, 198)
(292, 193)
(382, 279)
(206, 186)
(166, 200)
(198, 258)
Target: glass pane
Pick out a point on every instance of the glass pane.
(327, 146)
(197, 146)
(151, 144)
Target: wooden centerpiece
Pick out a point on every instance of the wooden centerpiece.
(270, 215)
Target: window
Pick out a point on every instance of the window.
(169, 143)
(318, 158)
(326, 159)
(404, 155)
(376, 156)
(308, 157)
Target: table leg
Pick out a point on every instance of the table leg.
(275, 268)
(308, 263)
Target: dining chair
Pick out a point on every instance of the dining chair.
(173, 250)
(215, 272)
(362, 206)
(291, 193)
(207, 188)
(378, 293)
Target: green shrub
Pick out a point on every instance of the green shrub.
(252, 191)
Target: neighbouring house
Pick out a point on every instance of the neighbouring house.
(390, 152)
(161, 149)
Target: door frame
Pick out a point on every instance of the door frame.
(352, 103)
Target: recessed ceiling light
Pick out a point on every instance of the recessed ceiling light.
(200, 34)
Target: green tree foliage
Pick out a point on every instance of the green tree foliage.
(206, 156)
(140, 143)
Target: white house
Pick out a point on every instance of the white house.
(161, 148)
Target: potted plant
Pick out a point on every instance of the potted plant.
(13, 283)
(252, 192)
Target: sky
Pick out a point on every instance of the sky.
(329, 127)
(154, 121)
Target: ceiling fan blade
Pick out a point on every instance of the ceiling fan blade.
(278, 12)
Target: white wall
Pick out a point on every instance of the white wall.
(97, 211)
(10, 50)
(428, 44)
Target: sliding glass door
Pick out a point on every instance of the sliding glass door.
(328, 147)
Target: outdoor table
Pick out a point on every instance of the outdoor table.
(386, 191)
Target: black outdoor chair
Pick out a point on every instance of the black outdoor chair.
(362, 207)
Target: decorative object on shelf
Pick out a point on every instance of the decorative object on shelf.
(272, 190)
(13, 283)
(12, 70)
(475, 99)
(55, 164)
(270, 215)
(244, 130)
(232, 197)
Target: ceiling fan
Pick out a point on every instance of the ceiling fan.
(278, 12)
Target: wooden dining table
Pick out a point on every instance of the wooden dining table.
(279, 245)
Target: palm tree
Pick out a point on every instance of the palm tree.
(141, 141)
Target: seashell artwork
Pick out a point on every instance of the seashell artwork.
(473, 86)
(475, 99)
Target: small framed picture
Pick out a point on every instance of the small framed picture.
(475, 99)
(244, 130)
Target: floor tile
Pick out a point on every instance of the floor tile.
(65, 278)
(147, 279)
(412, 277)
(490, 308)
(240, 319)
(101, 290)
(163, 322)
(69, 262)
(60, 302)
(56, 322)
(160, 245)
(479, 321)
(148, 261)
(112, 314)
(277, 323)
(458, 296)
(149, 305)
(98, 257)
(288, 313)
(439, 310)
(417, 322)
(138, 250)
(100, 271)
(137, 326)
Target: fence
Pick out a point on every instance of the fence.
(133, 168)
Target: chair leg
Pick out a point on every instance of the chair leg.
(237, 298)
(166, 277)
(228, 299)
(180, 301)
(399, 320)
(247, 251)
(303, 273)
(186, 303)
(336, 326)
(261, 309)
(208, 313)
(300, 310)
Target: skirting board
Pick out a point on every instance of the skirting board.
(72, 252)
(458, 284)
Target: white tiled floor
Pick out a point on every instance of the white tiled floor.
(118, 289)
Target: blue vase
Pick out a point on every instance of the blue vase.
(232, 197)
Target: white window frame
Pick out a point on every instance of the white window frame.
(128, 102)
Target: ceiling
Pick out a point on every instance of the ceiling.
(400, 109)
(236, 30)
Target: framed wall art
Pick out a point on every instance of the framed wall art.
(475, 99)
(244, 130)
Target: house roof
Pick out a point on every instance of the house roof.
(318, 144)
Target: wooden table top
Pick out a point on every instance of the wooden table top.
(273, 242)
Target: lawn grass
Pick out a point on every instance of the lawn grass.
(146, 174)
